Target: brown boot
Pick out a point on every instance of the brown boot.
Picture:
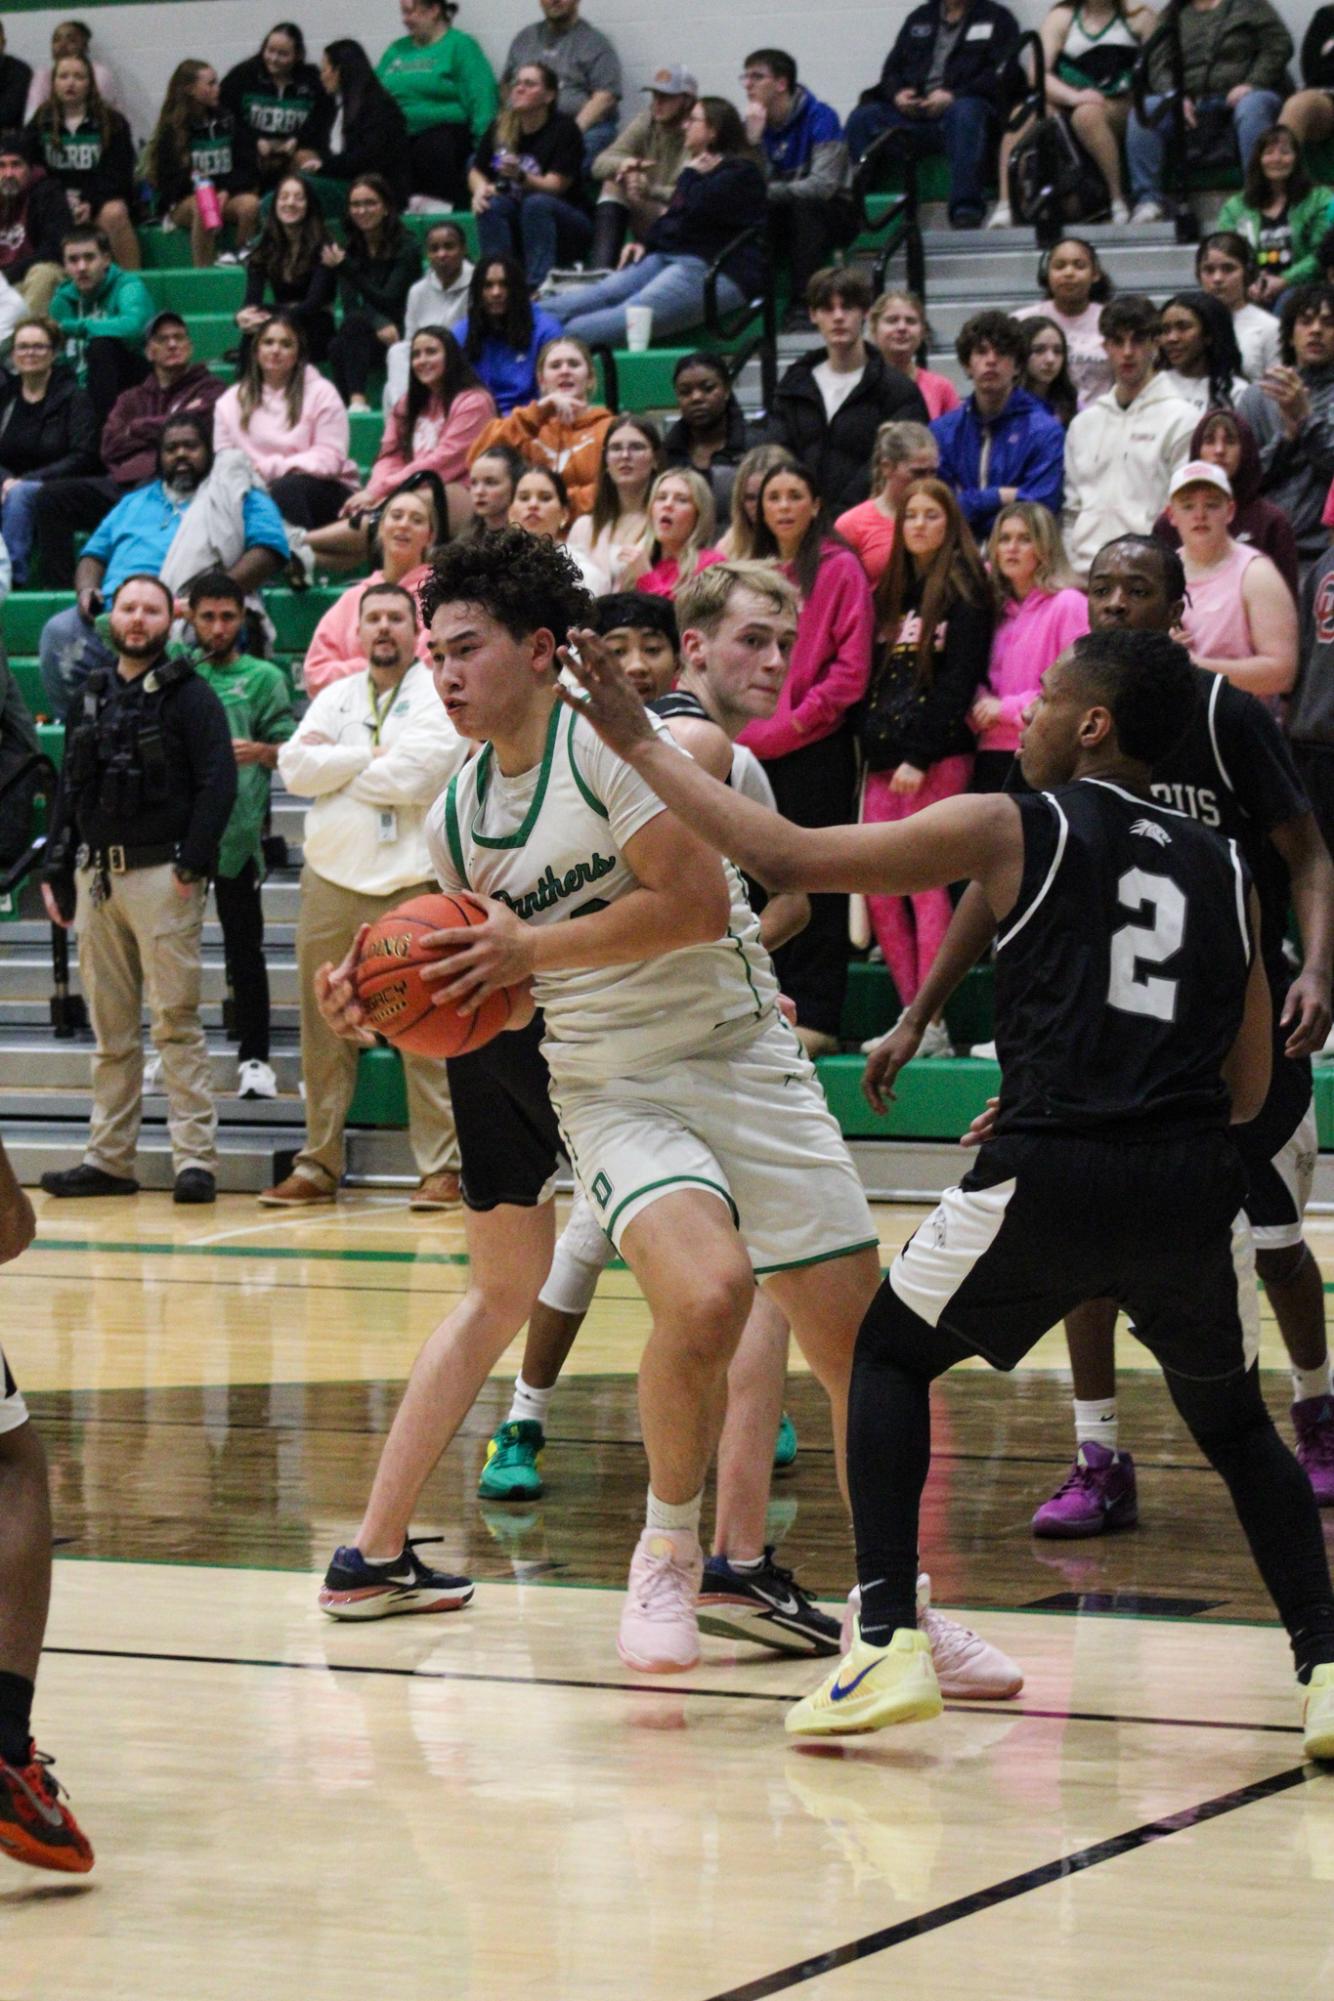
(299, 1192)
(437, 1191)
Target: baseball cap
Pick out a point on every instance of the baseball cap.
(1199, 472)
(672, 81)
(162, 319)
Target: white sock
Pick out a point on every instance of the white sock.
(529, 1403)
(674, 1514)
(1095, 1422)
(1310, 1382)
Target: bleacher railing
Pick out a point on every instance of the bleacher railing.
(69, 1016)
(1171, 113)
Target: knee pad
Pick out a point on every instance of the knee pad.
(580, 1258)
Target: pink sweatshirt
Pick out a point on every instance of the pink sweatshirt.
(1029, 636)
(333, 651)
(661, 581)
(318, 443)
(440, 443)
(831, 661)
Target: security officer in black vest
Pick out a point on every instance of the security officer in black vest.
(148, 783)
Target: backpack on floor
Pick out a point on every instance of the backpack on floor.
(1052, 156)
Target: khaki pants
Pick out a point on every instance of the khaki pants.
(39, 287)
(326, 927)
(143, 943)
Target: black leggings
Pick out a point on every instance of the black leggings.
(356, 352)
(898, 1357)
(241, 914)
(307, 500)
(438, 159)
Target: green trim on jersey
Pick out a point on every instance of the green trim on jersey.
(820, 1258)
(745, 967)
(452, 828)
(590, 797)
(671, 1181)
(519, 838)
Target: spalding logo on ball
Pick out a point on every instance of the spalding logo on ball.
(397, 1001)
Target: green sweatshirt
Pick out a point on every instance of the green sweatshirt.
(258, 704)
(446, 82)
(1308, 222)
(119, 309)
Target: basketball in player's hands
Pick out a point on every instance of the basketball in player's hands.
(395, 999)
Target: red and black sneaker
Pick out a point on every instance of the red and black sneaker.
(36, 1826)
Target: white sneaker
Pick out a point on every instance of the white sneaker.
(256, 1080)
(935, 1042)
(985, 1052)
(1120, 213)
(968, 1668)
(152, 1076)
(1148, 211)
(1000, 217)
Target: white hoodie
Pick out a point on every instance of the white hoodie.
(366, 830)
(1118, 465)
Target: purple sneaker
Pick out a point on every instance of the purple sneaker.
(1313, 1420)
(1097, 1494)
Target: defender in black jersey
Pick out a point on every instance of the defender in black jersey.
(1134, 1021)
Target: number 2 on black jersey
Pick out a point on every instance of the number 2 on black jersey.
(1160, 913)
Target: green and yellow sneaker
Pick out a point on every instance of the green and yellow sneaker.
(785, 1445)
(512, 1453)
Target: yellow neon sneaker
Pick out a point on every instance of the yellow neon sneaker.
(872, 1687)
(1317, 1699)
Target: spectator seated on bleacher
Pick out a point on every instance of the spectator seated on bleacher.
(1075, 289)
(273, 96)
(34, 219)
(176, 385)
(1047, 367)
(720, 193)
(437, 300)
(492, 481)
(639, 169)
(945, 88)
(1309, 113)
(737, 542)
(377, 264)
(47, 431)
(411, 523)
(446, 92)
(1225, 268)
(587, 68)
(15, 79)
(611, 533)
(433, 429)
(503, 331)
(287, 272)
(711, 433)
(897, 326)
(833, 400)
(86, 146)
(1224, 439)
(562, 428)
(200, 513)
(1281, 214)
(197, 147)
(1292, 415)
(1001, 444)
(356, 128)
(103, 314)
(1198, 356)
(679, 537)
(292, 426)
(1090, 48)
(903, 453)
(542, 507)
(1240, 617)
(1235, 57)
(526, 179)
(1121, 452)
(72, 38)
(806, 157)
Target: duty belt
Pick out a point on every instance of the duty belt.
(117, 860)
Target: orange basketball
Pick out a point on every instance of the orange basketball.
(397, 1001)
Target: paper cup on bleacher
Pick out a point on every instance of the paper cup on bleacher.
(638, 328)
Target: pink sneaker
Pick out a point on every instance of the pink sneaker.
(1097, 1495)
(659, 1628)
(1313, 1420)
(968, 1668)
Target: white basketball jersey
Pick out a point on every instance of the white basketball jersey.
(549, 844)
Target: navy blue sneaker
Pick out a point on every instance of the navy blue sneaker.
(765, 1605)
(355, 1589)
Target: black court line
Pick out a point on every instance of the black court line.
(1014, 1886)
(646, 1688)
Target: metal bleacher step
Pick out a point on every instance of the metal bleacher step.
(250, 1156)
(33, 1063)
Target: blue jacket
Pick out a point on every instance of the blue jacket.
(511, 373)
(1027, 452)
(789, 148)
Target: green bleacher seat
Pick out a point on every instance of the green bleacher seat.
(220, 290)
(381, 1097)
(295, 614)
(28, 679)
(51, 740)
(24, 615)
(213, 334)
(366, 427)
(1324, 1106)
(872, 1005)
(938, 1099)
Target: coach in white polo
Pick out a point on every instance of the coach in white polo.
(372, 753)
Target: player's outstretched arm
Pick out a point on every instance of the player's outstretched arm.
(949, 842)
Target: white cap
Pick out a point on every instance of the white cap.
(1199, 472)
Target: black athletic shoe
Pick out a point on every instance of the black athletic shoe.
(765, 1605)
(86, 1180)
(355, 1589)
(195, 1184)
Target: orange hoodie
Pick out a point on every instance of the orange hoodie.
(573, 449)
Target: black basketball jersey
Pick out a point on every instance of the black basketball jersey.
(1121, 971)
(1233, 771)
(680, 702)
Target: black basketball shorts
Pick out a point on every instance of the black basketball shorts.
(509, 1142)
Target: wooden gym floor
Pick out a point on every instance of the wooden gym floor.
(488, 1805)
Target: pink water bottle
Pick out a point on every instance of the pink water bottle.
(207, 203)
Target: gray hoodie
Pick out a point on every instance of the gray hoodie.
(1296, 471)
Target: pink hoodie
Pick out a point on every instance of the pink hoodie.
(333, 651)
(441, 441)
(318, 443)
(831, 661)
(1029, 636)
